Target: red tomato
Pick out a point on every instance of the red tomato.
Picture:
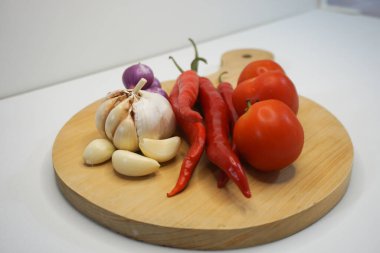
(269, 136)
(270, 85)
(257, 68)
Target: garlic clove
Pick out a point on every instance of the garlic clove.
(160, 150)
(102, 113)
(132, 164)
(125, 136)
(98, 151)
(154, 117)
(117, 114)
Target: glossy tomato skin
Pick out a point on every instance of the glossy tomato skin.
(270, 85)
(269, 136)
(256, 68)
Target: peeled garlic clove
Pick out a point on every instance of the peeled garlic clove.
(160, 150)
(102, 113)
(98, 151)
(132, 164)
(125, 136)
(153, 121)
(118, 113)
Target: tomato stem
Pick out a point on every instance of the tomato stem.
(249, 103)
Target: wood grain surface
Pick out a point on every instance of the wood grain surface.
(203, 216)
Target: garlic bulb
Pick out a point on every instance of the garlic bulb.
(128, 115)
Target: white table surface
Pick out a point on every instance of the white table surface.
(332, 58)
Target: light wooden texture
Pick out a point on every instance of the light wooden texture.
(203, 216)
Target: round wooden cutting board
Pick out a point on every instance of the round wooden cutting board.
(203, 216)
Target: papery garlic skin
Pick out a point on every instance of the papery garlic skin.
(132, 164)
(98, 151)
(102, 113)
(110, 101)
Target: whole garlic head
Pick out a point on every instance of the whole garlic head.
(126, 116)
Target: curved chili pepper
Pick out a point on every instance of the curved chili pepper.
(218, 148)
(225, 89)
(196, 134)
(182, 98)
(188, 87)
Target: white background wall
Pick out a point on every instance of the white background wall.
(44, 42)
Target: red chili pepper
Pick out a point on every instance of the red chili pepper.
(188, 87)
(182, 98)
(188, 84)
(196, 135)
(218, 148)
(225, 89)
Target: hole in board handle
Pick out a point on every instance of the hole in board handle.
(247, 56)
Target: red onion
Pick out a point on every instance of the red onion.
(158, 90)
(134, 73)
(155, 84)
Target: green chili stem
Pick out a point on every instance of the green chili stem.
(197, 59)
(194, 63)
(196, 55)
(176, 64)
